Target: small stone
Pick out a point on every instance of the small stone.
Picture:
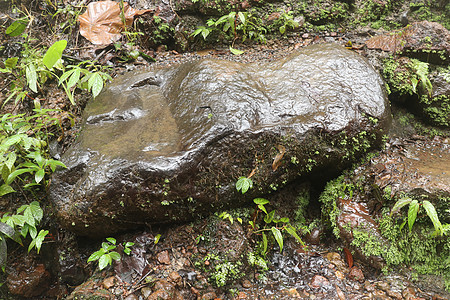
(145, 291)
(109, 282)
(163, 257)
(356, 274)
(246, 284)
(409, 293)
(293, 293)
(319, 281)
(132, 297)
(209, 296)
(380, 295)
(305, 35)
(394, 294)
(241, 295)
(339, 275)
(368, 286)
(176, 278)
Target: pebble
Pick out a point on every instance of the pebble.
(319, 281)
(246, 284)
(109, 282)
(176, 278)
(356, 274)
(209, 296)
(163, 257)
(131, 297)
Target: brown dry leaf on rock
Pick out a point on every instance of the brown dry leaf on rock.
(102, 22)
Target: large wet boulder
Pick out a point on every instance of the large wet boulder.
(168, 145)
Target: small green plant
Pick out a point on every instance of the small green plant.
(285, 22)
(23, 152)
(20, 225)
(413, 210)
(232, 26)
(243, 184)
(105, 255)
(271, 223)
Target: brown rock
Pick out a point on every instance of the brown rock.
(356, 274)
(246, 284)
(209, 296)
(319, 281)
(109, 282)
(163, 257)
(175, 278)
(28, 281)
(420, 36)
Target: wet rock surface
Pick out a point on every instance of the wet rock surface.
(168, 145)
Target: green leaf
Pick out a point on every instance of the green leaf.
(17, 27)
(54, 53)
(38, 241)
(11, 159)
(114, 255)
(399, 204)
(269, 217)
(157, 238)
(11, 62)
(264, 237)
(30, 72)
(96, 255)
(291, 230)
(260, 201)
(236, 51)
(95, 84)
(104, 261)
(39, 175)
(6, 189)
(37, 211)
(54, 163)
(12, 140)
(111, 240)
(261, 207)
(127, 251)
(412, 213)
(282, 29)
(243, 184)
(205, 33)
(278, 237)
(432, 214)
(29, 218)
(16, 173)
(74, 78)
(241, 17)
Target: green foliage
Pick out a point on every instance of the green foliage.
(232, 26)
(285, 22)
(273, 224)
(23, 152)
(20, 225)
(413, 211)
(243, 184)
(105, 255)
(37, 69)
(335, 189)
(17, 27)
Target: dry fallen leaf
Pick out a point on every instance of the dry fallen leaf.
(101, 23)
(277, 160)
(348, 257)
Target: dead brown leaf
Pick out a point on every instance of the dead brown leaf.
(277, 160)
(102, 24)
